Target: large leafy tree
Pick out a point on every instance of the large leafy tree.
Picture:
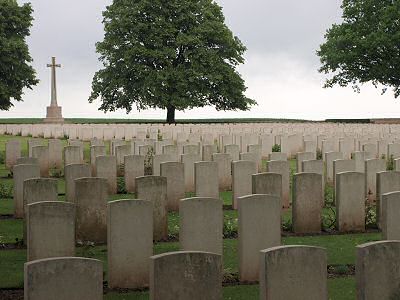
(365, 47)
(174, 55)
(16, 73)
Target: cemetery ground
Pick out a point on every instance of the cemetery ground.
(340, 247)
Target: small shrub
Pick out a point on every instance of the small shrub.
(276, 148)
(87, 249)
(230, 277)
(390, 163)
(342, 269)
(328, 221)
(173, 232)
(328, 196)
(148, 162)
(121, 189)
(370, 214)
(230, 227)
(6, 191)
(56, 173)
(319, 154)
(287, 225)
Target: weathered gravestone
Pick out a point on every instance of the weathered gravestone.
(390, 221)
(21, 173)
(114, 144)
(283, 168)
(316, 167)
(329, 158)
(134, 167)
(38, 190)
(129, 243)
(310, 146)
(302, 156)
(371, 148)
(33, 143)
(393, 150)
(386, 182)
(172, 151)
(106, 167)
(241, 179)
(206, 179)
(50, 230)
(64, 278)
(174, 172)
(340, 166)
(27, 161)
(157, 161)
(378, 270)
(360, 157)
(350, 201)
(73, 155)
(224, 163)
(233, 151)
(256, 150)
(42, 155)
(346, 146)
(72, 172)
(259, 227)
(372, 167)
(208, 151)
(201, 222)
(267, 183)
(91, 205)
(293, 273)
(188, 161)
(55, 154)
(186, 275)
(94, 152)
(154, 189)
(307, 203)
(267, 142)
(277, 156)
(191, 149)
(13, 152)
(250, 156)
(120, 152)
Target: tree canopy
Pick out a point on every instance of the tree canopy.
(365, 47)
(16, 73)
(172, 55)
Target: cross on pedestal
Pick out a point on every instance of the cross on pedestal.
(53, 67)
(54, 114)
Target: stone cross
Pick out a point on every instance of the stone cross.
(53, 67)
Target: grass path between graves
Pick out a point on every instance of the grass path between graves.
(338, 289)
(340, 248)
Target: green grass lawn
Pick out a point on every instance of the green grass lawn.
(340, 248)
(339, 289)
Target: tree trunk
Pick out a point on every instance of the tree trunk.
(170, 114)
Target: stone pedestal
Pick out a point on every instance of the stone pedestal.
(54, 115)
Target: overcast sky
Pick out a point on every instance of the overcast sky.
(280, 69)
